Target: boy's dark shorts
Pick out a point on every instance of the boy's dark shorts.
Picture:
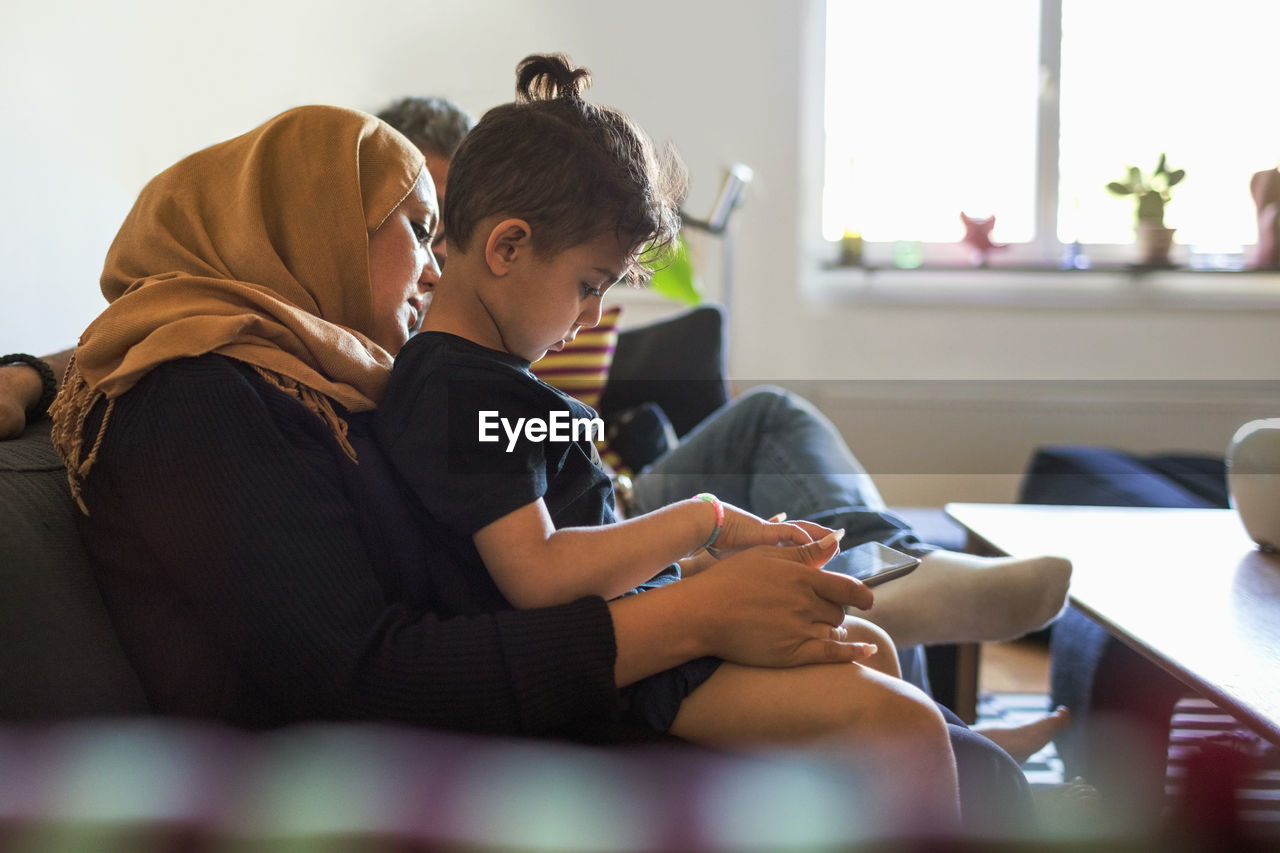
(653, 702)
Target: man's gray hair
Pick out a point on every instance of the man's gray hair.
(435, 125)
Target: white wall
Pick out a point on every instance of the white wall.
(97, 97)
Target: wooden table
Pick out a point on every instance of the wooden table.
(1184, 587)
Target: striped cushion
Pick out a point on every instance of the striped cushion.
(581, 369)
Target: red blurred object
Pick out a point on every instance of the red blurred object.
(977, 236)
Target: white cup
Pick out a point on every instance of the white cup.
(1253, 477)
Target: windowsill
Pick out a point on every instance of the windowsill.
(1116, 286)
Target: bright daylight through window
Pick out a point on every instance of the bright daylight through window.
(1026, 111)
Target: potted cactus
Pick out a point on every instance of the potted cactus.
(1151, 194)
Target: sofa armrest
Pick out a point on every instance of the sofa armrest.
(59, 655)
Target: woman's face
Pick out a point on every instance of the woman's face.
(402, 267)
(439, 168)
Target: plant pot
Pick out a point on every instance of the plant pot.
(1154, 243)
(1253, 478)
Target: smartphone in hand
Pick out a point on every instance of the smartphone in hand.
(873, 563)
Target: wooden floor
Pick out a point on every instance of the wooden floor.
(1021, 666)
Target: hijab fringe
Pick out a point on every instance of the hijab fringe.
(69, 410)
(318, 403)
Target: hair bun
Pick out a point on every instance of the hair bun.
(546, 77)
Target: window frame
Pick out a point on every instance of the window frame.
(1045, 251)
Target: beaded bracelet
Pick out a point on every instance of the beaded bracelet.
(48, 382)
(719, 508)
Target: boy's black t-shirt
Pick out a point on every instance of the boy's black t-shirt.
(429, 423)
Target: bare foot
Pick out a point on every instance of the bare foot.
(1026, 740)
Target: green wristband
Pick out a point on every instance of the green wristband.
(719, 508)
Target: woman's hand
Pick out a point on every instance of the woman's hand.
(766, 606)
(773, 606)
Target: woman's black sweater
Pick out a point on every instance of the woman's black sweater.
(257, 576)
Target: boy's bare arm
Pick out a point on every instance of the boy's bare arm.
(535, 565)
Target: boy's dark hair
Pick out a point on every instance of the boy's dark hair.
(573, 170)
(436, 125)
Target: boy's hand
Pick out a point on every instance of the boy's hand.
(744, 530)
(816, 531)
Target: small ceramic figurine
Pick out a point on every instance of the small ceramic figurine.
(977, 236)
(1265, 188)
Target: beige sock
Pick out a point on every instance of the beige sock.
(960, 598)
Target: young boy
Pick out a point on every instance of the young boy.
(551, 201)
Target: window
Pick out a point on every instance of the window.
(1027, 110)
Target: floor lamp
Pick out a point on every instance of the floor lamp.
(732, 195)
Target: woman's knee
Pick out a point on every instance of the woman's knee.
(847, 703)
(905, 709)
(860, 630)
(885, 659)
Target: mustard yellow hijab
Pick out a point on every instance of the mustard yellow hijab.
(257, 249)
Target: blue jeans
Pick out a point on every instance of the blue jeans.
(771, 451)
